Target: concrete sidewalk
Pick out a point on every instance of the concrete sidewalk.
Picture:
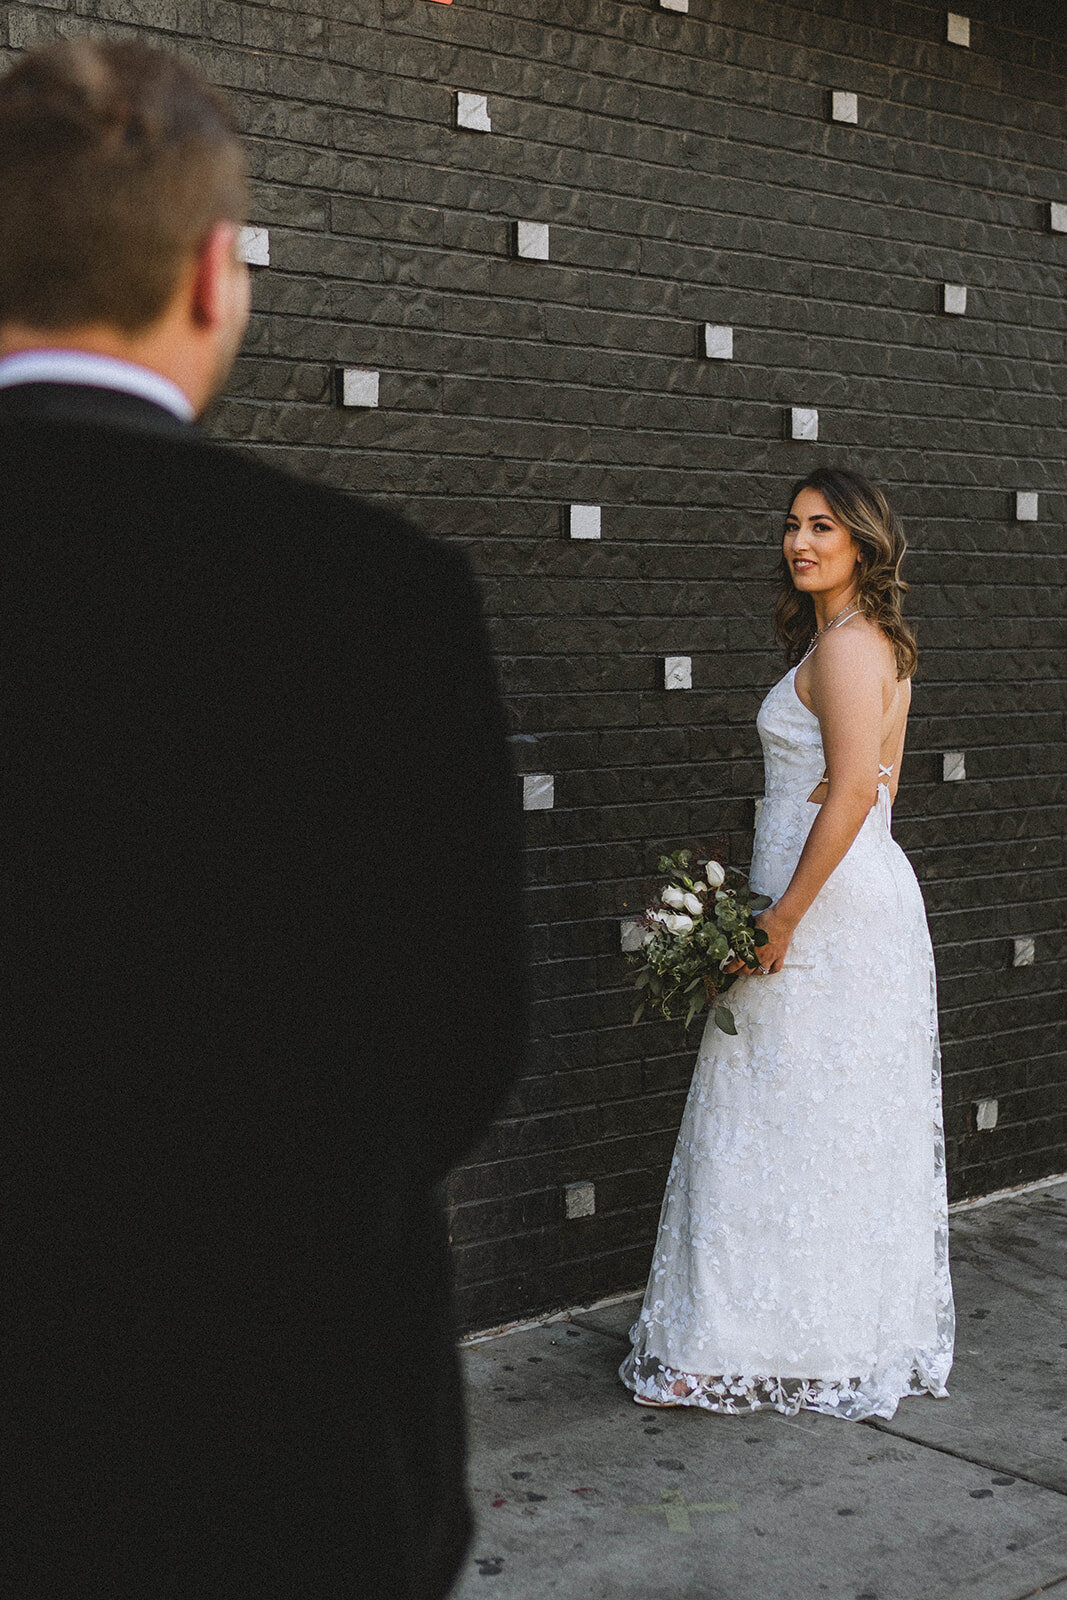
(581, 1495)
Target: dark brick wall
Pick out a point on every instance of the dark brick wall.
(690, 174)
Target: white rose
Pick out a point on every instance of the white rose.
(650, 934)
(694, 905)
(658, 916)
(678, 922)
(714, 874)
(674, 897)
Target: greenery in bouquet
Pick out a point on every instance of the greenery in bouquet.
(703, 920)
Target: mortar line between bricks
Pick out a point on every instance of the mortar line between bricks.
(656, 280)
(611, 234)
(695, 128)
(603, 232)
(672, 507)
(711, 134)
(552, 383)
(682, 131)
(563, 847)
(311, 447)
(652, 47)
(296, 276)
(590, 386)
(880, 1425)
(699, 100)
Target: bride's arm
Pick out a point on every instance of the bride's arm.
(846, 694)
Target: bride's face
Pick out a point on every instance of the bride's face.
(821, 554)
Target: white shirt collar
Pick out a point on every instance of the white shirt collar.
(99, 372)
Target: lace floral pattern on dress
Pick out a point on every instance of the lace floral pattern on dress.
(801, 1260)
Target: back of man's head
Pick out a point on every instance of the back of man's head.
(116, 161)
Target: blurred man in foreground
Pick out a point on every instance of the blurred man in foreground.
(263, 974)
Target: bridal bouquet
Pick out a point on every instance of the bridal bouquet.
(705, 919)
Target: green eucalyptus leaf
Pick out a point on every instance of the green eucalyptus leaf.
(724, 1019)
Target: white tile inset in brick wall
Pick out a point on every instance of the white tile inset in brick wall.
(803, 423)
(253, 247)
(677, 672)
(579, 1200)
(844, 106)
(531, 241)
(538, 791)
(718, 342)
(985, 1115)
(583, 522)
(957, 29)
(359, 387)
(472, 111)
(1026, 505)
(954, 299)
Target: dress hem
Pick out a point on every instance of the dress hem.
(739, 1394)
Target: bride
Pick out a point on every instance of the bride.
(802, 1253)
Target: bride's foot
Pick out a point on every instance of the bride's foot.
(680, 1388)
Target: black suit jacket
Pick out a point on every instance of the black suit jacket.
(262, 983)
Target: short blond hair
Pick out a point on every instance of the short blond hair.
(116, 160)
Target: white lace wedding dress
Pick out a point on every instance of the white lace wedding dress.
(802, 1253)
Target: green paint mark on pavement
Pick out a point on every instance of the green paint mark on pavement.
(677, 1509)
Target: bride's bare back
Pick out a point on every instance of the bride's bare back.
(834, 680)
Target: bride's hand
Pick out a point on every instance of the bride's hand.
(771, 955)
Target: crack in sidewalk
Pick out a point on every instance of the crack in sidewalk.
(1044, 1588)
(880, 1425)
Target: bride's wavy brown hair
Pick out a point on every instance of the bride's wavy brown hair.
(876, 528)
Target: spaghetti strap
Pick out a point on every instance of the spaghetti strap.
(837, 623)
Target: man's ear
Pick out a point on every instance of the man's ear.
(215, 270)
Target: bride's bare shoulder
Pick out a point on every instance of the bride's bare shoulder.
(857, 643)
(852, 662)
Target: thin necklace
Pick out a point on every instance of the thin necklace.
(835, 618)
(839, 617)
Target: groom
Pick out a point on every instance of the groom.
(262, 976)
